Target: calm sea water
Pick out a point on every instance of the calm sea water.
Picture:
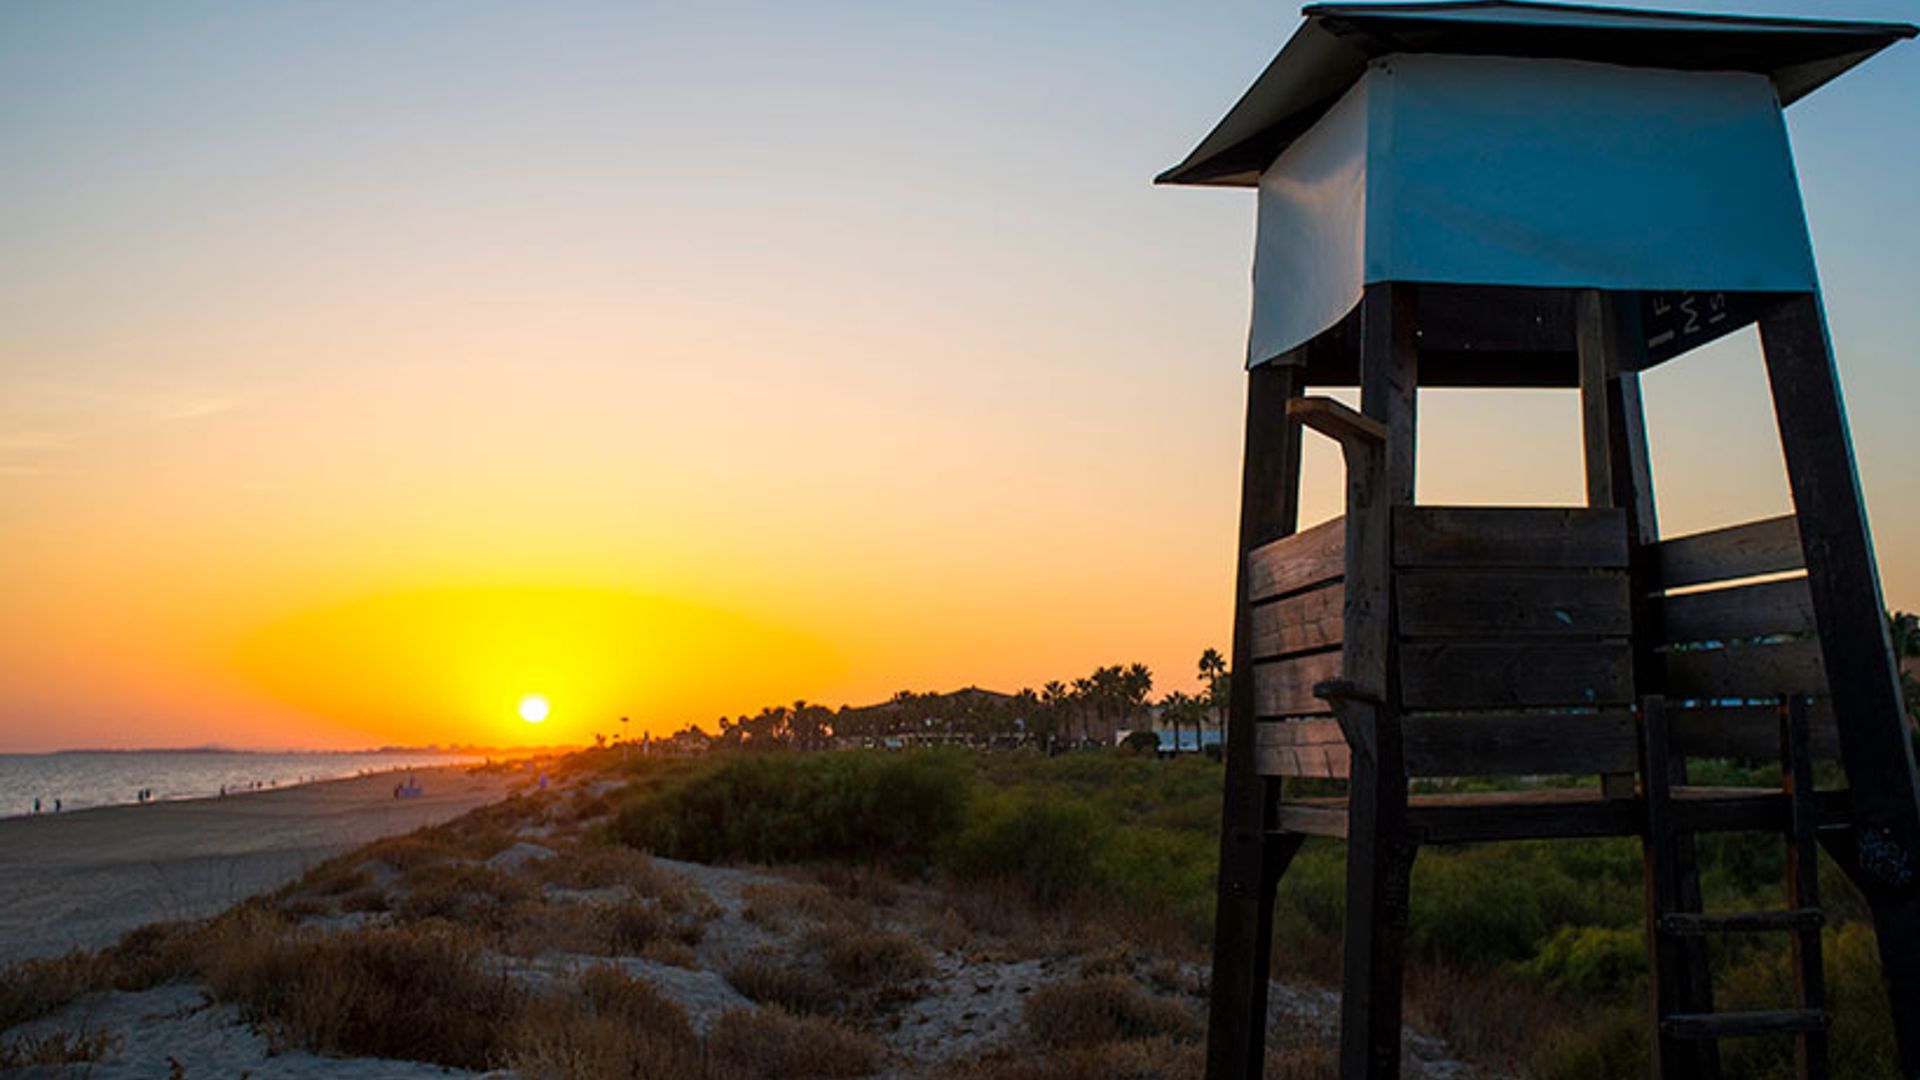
(83, 778)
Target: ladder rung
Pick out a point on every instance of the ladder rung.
(1733, 1024)
(1693, 924)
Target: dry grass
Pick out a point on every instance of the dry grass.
(421, 992)
(472, 894)
(797, 988)
(861, 884)
(672, 953)
(58, 1048)
(1142, 1059)
(603, 866)
(34, 988)
(772, 1044)
(613, 1028)
(1104, 1009)
(872, 958)
(777, 905)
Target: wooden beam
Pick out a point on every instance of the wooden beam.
(1379, 850)
(1845, 581)
(1597, 368)
(1249, 869)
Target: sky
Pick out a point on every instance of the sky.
(365, 368)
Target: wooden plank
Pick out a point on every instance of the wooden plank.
(1311, 819)
(1297, 562)
(1496, 603)
(1746, 671)
(1749, 732)
(1736, 1024)
(1307, 621)
(1285, 687)
(1770, 546)
(1509, 536)
(1742, 611)
(1507, 675)
(1303, 748)
(1519, 744)
(1596, 367)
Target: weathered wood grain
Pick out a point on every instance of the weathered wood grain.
(1769, 546)
(1285, 687)
(1519, 744)
(1507, 675)
(1742, 611)
(1747, 671)
(1301, 561)
(1509, 536)
(1492, 603)
(1307, 621)
(1303, 748)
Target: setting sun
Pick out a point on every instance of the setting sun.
(533, 708)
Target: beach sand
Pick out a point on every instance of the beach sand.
(82, 879)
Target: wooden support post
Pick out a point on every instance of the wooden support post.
(1845, 582)
(1612, 349)
(1599, 349)
(1250, 865)
(1379, 850)
(1803, 883)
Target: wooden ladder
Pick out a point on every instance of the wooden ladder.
(1672, 930)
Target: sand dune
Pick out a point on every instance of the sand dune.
(84, 878)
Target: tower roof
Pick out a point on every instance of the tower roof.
(1331, 50)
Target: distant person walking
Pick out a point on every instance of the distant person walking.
(36, 806)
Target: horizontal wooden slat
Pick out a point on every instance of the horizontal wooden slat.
(1509, 536)
(1746, 671)
(1743, 611)
(1737, 1024)
(1301, 748)
(1544, 813)
(1520, 744)
(1757, 547)
(1285, 687)
(1494, 603)
(1506, 675)
(1309, 620)
(1751, 732)
(1297, 562)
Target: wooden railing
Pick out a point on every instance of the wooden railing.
(1736, 637)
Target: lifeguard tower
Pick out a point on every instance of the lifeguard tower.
(1529, 195)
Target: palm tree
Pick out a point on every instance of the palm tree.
(1213, 672)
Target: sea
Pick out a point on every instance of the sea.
(83, 778)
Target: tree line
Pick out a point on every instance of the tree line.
(1091, 709)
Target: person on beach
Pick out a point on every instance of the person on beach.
(36, 806)
(56, 805)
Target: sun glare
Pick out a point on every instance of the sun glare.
(533, 708)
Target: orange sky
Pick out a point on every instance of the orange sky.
(671, 365)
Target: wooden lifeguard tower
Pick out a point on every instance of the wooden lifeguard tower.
(1501, 194)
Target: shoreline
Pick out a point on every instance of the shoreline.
(93, 780)
(81, 878)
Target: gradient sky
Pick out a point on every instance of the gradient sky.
(364, 367)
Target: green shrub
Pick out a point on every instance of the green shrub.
(1598, 963)
(790, 808)
(1048, 847)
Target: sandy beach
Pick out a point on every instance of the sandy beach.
(82, 879)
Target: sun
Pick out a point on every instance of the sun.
(533, 708)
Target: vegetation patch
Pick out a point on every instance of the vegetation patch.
(772, 1044)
